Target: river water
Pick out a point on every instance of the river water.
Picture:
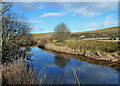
(54, 69)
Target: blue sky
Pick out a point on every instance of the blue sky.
(78, 16)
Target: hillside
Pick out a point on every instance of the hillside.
(42, 36)
(112, 30)
(107, 32)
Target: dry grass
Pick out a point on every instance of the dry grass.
(90, 48)
(112, 30)
(0, 75)
(41, 36)
(91, 45)
(75, 75)
(42, 76)
(18, 74)
(63, 49)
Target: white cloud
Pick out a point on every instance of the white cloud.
(31, 6)
(52, 14)
(108, 22)
(41, 7)
(61, 0)
(85, 12)
(73, 14)
(86, 8)
(36, 29)
(82, 8)
(34, 21)
(92, 25)
(28, 21)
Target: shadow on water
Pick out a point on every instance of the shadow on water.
(61, 62)
(115, 65)
(59, 68)
(49, 67)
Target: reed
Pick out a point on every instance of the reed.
(75, 75)
(18, 73)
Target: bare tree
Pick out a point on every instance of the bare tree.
(5, 7)
(14, 32)
(62, 32)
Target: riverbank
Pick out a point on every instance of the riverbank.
(17, 73)
(86, 59)
(99, 50)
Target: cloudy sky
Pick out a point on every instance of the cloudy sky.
(78, 16)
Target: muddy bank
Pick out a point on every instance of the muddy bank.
(105, 59)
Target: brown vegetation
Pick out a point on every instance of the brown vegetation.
(105, 63)
(99, 50)
(18, 74)
(112, 30)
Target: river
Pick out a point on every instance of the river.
(54, 69)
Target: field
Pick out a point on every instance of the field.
(109, 31)
(90, 45)
(112, 30)
(41, 36)
(105, 49)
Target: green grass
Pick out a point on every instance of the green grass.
(91, 45)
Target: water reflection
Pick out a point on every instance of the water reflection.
(93, 74)
(61, 62)
(86, 59)
(58, 69)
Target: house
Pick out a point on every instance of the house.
(95, 38)
(82, 36)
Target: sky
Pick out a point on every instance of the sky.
(78, 16)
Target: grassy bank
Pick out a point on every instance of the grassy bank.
(90, 45)
(86, 59)
(100, 50)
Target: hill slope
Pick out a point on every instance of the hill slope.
(109, 31)
(41, 36)
(112, 30)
